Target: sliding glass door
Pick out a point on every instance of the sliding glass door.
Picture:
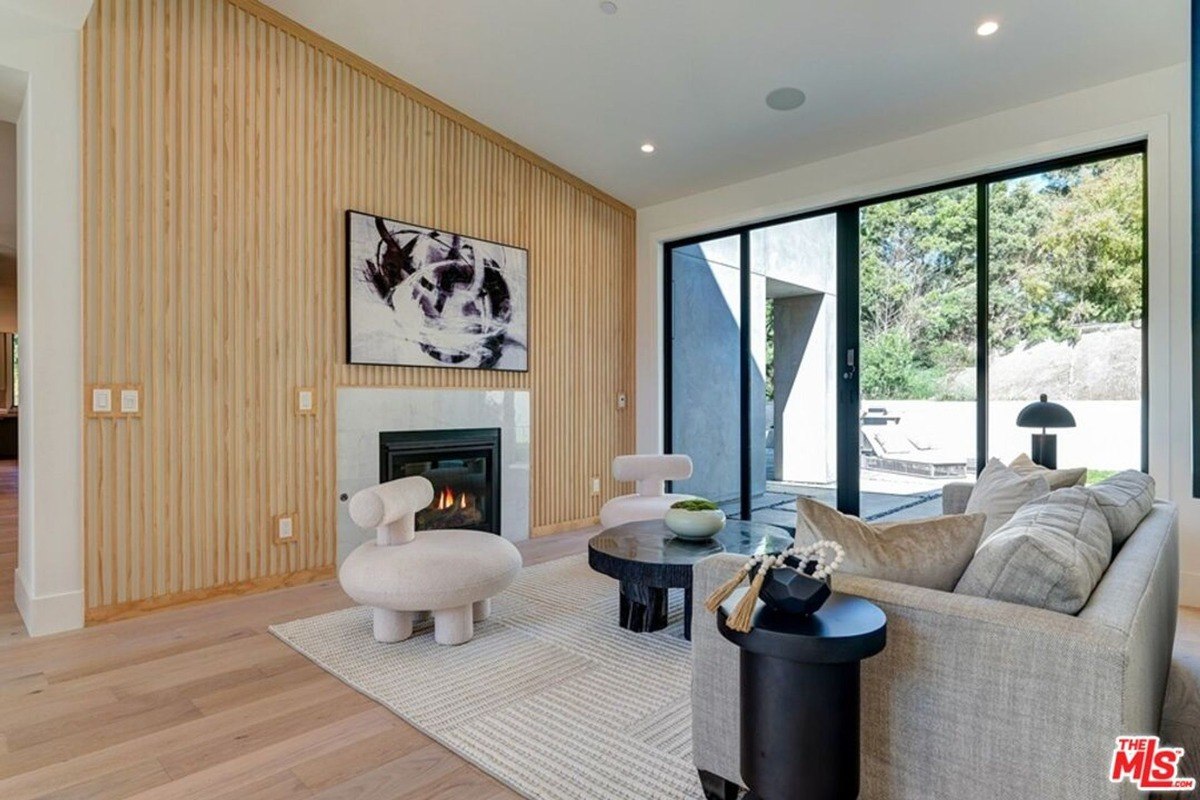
(868, 354)
(794, 312)
(917, 318)
(1066, 315)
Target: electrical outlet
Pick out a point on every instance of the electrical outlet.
(131, 401)
(622, 401)
(285, 529)
(595, 485)
(306, 403)
(100, 401)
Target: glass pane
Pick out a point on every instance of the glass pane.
(1065, 288)
(918, 343)
(793, 378)
(706, 368)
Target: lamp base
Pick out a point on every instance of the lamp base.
(1043, 450)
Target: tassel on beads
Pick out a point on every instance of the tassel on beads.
(722, 592)
(740, 620)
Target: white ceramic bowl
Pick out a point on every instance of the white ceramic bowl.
(694, 524)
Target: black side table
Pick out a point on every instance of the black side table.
(800, 696)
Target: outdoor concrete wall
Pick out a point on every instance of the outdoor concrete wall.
(706, 369)
(806, 388)
(802, 253)
(799, 259)
(705, 373)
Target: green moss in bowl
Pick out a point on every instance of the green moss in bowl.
(696, 505)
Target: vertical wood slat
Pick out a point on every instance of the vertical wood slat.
(220, 150)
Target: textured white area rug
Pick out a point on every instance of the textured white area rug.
(551, 697)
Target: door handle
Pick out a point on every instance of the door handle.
(850, 364)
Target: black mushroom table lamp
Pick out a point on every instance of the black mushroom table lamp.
(1044, 414)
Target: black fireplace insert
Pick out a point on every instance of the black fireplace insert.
(463, 464)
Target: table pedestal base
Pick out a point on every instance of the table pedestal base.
(800, 729)
(643, 608)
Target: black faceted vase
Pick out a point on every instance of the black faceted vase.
(791, 592)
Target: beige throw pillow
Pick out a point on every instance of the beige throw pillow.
(1050, 555)
(931, 553)
(1000, 491)
(1057, 478)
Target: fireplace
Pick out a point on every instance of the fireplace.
(463, 464)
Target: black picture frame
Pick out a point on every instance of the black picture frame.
(416, 298)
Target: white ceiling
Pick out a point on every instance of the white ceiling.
(585, 90)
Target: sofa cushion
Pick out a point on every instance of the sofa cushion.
(1050, 554)
(1057, 478)
(1125, 499)
(1000, 491)
(931, 553)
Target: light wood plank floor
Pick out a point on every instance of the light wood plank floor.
(202, 702)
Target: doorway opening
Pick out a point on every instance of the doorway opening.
(12, 85)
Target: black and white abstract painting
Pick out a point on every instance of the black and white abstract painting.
(420, 297)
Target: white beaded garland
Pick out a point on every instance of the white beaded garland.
(817, 552)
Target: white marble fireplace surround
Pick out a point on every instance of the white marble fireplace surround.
(362, 413)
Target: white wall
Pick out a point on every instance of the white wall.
(8, 187)
(46, 49)
(1154, 105)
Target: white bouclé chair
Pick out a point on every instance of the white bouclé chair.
(405, 574)
(650, 501)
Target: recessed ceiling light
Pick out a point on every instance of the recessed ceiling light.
(785, 98)
(988, 27)
(608, 7)
(647, 148)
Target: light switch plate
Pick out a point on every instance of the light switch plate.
(99, 401)
(595, 485)
(131, 401)
(285, 529)
(306, 401)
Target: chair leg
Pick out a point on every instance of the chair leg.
(453, 625)
(482, 609)
(717, 788)
(392, 626)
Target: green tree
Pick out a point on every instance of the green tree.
(1065, 250)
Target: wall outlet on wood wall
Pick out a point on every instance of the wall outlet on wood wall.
(285, 529)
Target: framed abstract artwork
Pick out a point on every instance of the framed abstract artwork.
(422, 297)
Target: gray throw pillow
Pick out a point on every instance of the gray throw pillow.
(1125, 499)
(1000, 491)
(1050, 554)
(931, 553)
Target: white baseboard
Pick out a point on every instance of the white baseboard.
(47, 614)
(1189, 589)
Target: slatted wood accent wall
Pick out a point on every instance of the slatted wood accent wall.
(222, 144)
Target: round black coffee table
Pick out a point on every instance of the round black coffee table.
(648, 560)
(800, 679)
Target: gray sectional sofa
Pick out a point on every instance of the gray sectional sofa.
(974, 697)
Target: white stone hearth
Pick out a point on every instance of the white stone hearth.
(362, 413)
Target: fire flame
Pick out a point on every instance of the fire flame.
(448, 499)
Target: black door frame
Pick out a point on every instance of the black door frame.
(848, 233)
